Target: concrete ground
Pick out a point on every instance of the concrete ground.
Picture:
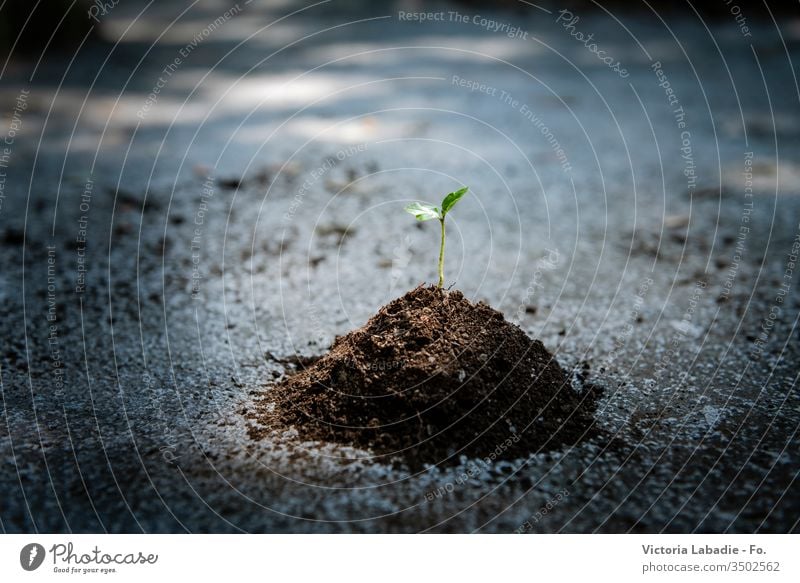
(211, 190)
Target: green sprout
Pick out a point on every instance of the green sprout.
(425, 212)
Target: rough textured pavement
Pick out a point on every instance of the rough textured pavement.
(207, 192)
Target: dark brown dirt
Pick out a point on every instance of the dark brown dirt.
(433, 375)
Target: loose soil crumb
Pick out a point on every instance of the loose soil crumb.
(433, 375)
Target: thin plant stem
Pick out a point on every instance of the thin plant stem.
(441, 257)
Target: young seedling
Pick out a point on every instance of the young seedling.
(425, 212)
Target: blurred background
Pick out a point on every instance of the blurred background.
(194, 196)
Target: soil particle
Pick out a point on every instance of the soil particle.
(430, 376)
(229, 183)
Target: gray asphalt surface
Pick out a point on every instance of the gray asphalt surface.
(203, 195)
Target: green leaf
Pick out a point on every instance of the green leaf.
(451, 199)
(424, 211)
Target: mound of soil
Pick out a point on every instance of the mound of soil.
(429, 376)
